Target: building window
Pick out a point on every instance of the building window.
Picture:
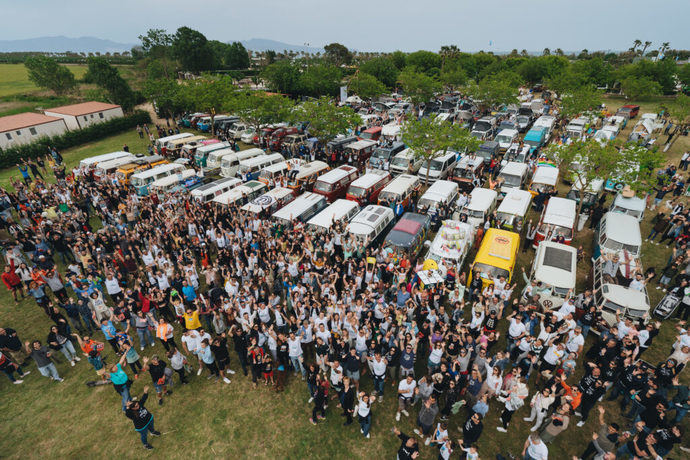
(33, 131)
(19, 133)
(9, 136)
(92, 116)
(85, 119)
(100, 114)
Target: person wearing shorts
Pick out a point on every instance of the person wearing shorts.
(406, 389)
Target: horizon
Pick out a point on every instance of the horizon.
(384, 27)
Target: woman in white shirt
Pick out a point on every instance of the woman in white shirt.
(540, 405)
(364, 412)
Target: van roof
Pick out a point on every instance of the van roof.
(213, 147)
(157, 170)
(467, 160)
(308, 169)
(516, 202)
(221, 152)
(545, 175)
(216, 185)
(163, 140)
(408, 153)
(370, 178)
(260, 159)
(634, 203)
(622, 228)
(334, 175)
(115, 162)
(266, 200)
(497, 248)
(335, 211)
(560, 211)
(555, 264)
(401, 183)
(299, 205)
(104, 157)
(362, 144)
(508, 132)
(242, 154)
(481, 199)
(513, 168)
(625, 296)
(368, 218)
(440, 190)
(173, 178)
(444, 156)
(234, 194)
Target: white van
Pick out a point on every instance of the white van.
(547, 122)
(251, 168)
(301, 209)
(399, 189)
(632, 206)
(545, 179)
(555, 266)
(440, 192)
(371, 224)
(513, 176)
(211, 190)
(405, 163)
(618, 233)
(215, 158)
(339, 210)
(451, 245)
(440, 167)
(482, 202)
(270, 202)
(141, 181)
(166, 184)
(513, 209)
(92, 162)
(103, 168)
(231, 163)
(160, 143)
(241, 194)
(557, 219)
(506, 138)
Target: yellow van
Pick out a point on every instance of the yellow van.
(139, 164)
(496, 257)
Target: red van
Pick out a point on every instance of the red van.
(372, 134)
(630, 111)
(366, 189)
(334, 183)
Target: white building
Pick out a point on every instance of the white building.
(25, 128)
(79, 116)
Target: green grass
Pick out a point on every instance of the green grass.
(14, 78)
(207, 420)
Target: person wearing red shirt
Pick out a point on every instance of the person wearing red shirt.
(12, 281)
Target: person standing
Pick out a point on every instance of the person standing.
(425, 418)
(41, 356)
(557, 423)
(13, 282)
(409, 447)
(142, 418)
(348, 401)
(534, 448)
(120, 379)
(319, 401)
(156, 368)
(364, 412)
(406, 389)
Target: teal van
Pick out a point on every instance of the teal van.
(535, 138)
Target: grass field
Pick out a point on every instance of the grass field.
(207, 420)
(14, 78)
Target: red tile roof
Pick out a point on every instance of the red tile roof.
(84, 108)
(25, 120)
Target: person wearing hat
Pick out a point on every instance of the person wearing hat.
(142, 418)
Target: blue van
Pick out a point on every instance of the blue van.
(535, 138)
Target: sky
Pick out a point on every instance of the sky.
(367, 25)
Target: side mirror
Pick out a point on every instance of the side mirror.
(427, 243)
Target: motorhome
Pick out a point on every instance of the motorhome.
(360, 151)
(301, 209)
(496, 256)
(215, 158)
(555, 267)
(544, 180)
(440, 167)
(632, 206)
(160, 143)
(103, 168)
(141, 180)
(303, 178)
(138, 164)
(339, 211)
(202, 152)
(167, 184)
(506, 138)
(513, 209)
(229, 164)
(276, 174)
(209, 191)
(92, 162)
(482, 202)
(407, 237)
(174, 147)
(334, 183)
(382, 155)
(557, 220)
(451, 245)
(466, 170)
(405, 162)
(189, 149)
(399, 190)
(270, 202)
(512, 176)
(442, 192)
(591, 196)
(371, 224)
(251, 168)
(241, 194)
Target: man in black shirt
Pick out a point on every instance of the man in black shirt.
(142, 418)
(156, 368)
(472, 429)
(409, 448)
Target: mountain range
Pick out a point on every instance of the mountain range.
(60, 44)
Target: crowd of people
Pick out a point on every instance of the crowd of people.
(213, 285)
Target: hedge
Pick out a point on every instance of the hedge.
(10, 157)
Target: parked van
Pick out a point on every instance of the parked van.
(488, 151)
(338, 144)
(547, 122)
(334, 183)
(103, 168)
(513, 209)
(535, 138)
(366, 188)
(382, 155)
(405, 162)
(482, 202)
(174, 147)
(506, 138)
(92, 162)
(451, 245)
(214, 159)
(555, 267)
(513, 176)
(545, 179)
(372, 134)
(466, 170)
(141, 180)
(371, 224)
(189, 149)
(439, 168)
(138, 164)
(301, 209)
(496, 256)
(441, 192)
(241, 194)
(484, 128)
(399, 190)
(632, 206)
(203, 152)
(230, 163)
(160, 143)
(557, 219)
(249, 169)
(166, 184)
(271, 201)
(360, 152)
(303, 178)
(276, 174)
(516, 154)
(407, 237)
(209, 191)
(339, 210)
(616, 233)
(592, 194)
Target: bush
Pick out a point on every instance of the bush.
(11, 156)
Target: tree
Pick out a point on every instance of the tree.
(684, 74)
(644, 48)
(325, 119)
(448, 52)
(165, 93)
(338, 54)
(192, 49)
(636, 43)
(588, 160)
(320, 80)
(157, 43)
(282, 76)
(45, 72)
(107, 77)
(365, 86)
(679, 113)
(546, 52)
(579, 100)
(399, 59)
(207, 95)
(430, 139)
(425, 61)
(236, 56)
(257, 109)
(640, 88)
(453, 78)
(383, 68)
(419, 87)
(495, 91)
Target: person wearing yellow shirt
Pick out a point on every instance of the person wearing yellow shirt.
(191, 319)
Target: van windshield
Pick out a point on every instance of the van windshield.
(505, 217)
(366, 135)
(511, 180)
(612, 245)
(381, 153)
(555, 230)
(466, 173)
(356, 191)
(388, 196)
(137, 181)
(436, 165)
(504, 139)
(482, 126)
(474, 213)
(489, 272)
(323, 187)
(427, 203)
(401, 162)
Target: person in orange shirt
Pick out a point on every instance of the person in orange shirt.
(164, 333)
(572, 394)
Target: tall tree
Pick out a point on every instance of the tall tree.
(257, 109)
(429, 139)
(282, 76)
(165, 93)
(192, 49)
(45, 72)
(419, 87)
(580, 100)
(338, 54)
(320, 80)
(383, 68)
(425, 61)
(157, 43)
(494, 91)
(207, 95)
(108, 78)
(640, 88)
(325, 119)
(236, 56)
(365, 86)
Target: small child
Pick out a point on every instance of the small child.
(268, 369)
